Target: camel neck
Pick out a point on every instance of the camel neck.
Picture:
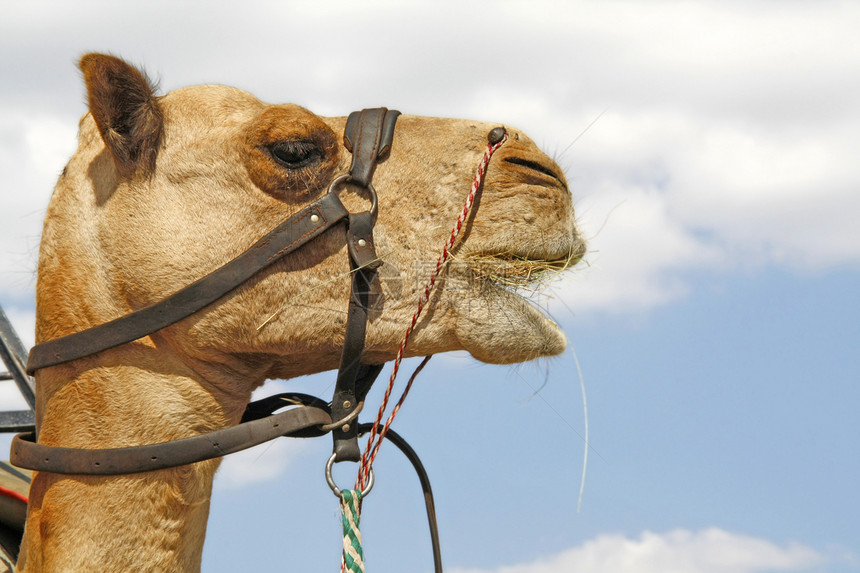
(123, 398)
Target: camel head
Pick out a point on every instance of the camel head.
(161, 191)
(164, 189)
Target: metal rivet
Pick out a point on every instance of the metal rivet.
(344, 428)
(496, 135)
(362, 243)
(315, 218)
(347, 405)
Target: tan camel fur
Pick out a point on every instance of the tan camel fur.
(163, 190)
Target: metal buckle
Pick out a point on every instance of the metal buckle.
(345, 178)
(345, 421)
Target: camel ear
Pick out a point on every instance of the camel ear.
(123, 103)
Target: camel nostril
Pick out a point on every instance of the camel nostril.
(535, 166)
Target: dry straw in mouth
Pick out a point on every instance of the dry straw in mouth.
(517, 271)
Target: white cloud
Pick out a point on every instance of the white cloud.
(741, 123)
(679, 551)
(267, 461)
(50, 142)
(681, 190)
(729, 137)
(33, 150)
(636, 252)
(11, 398)
(258, 464)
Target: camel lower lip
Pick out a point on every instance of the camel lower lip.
(527, 332)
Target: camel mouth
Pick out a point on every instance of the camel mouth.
(515, 270)
(506, 325)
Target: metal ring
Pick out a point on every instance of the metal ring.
(334, 487)
(345, 177)
(345, 420)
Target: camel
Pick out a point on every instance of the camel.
(164, 189)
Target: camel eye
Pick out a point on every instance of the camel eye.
(295, 154)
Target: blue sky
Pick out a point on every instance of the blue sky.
(716, 319)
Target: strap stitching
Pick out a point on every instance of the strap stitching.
(323, 222)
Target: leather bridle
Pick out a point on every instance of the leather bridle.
(368, 136)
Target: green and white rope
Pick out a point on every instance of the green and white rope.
(352, 560)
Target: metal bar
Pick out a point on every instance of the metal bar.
(15, 357)
(18, 421)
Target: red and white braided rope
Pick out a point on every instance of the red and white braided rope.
(377, 435)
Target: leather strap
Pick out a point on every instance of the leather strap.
(302, 227)
(368, 135)
(346, 396)
(129, 460)
(345, 399)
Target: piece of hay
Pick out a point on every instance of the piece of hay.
(517, 271)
